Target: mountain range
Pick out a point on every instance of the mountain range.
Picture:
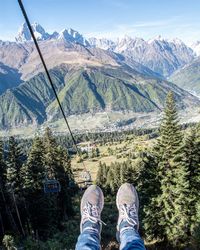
(92, 75)
(161, 55)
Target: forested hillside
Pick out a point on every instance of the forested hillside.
(163, 165)
(87, 90)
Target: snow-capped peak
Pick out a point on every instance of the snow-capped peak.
(102, 43)
(128, 43)
(196, 48)
(72, 36)
(37, 27)
(176, 41)
(40, 34)
(195, 43)
(156, 39)
(24, 34)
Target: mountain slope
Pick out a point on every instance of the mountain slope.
(9, 78)
(188, 77)
(114, 89)
(87, 79)
(160, 55)
(14, 54)
(27, 103)
(86, 89)
(60, 51)
(156, 57)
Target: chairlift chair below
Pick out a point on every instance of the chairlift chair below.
(86, 176)
(86, 179)
(51, 186)
(72, 184)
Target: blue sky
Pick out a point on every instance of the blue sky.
(107, 18)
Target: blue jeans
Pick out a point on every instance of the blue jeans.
(89, 239)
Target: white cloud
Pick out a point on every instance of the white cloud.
(134, 29)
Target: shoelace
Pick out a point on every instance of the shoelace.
(91, 212)
(129, 213)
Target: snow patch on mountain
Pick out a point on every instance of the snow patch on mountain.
(69, 35)
(196, 47)
(102, 43)
(24, 34)
(161, 55)
(73, 36)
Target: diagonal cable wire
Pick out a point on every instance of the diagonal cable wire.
(48, 76)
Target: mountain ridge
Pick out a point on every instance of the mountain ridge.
(188, 77)
(86, 90)
(88, 79)
(163, 56)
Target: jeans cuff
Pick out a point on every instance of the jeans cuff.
(93, 227)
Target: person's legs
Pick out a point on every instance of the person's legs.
(91, 206)
(128, 222)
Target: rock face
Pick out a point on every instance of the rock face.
(69, 35)
(102, 43)
(73, 36)
(24, 34)
(70, 48)
(160, 55)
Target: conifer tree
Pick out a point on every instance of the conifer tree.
(33, 171)
(126, 173)
(65, 176)
(97, 152)
(3, 216)
(14, 164)
(117, 178)
(171, 201)
(111, 183)
(15, 197)
(170, 134)
(100, 178)
(58, 166)
(51, 153)
(2, 167)
(196, 228)
(33, 175)
(105, 173)
(189, 158)
(148, 187)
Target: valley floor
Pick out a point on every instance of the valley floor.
(102, 122)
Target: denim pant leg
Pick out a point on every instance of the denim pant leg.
(130, 239)
(89, 239)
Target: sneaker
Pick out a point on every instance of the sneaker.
(91, 207)
(128, 205)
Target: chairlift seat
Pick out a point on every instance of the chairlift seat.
(51, 186)
(86, 176)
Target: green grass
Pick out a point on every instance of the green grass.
(133, 144)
